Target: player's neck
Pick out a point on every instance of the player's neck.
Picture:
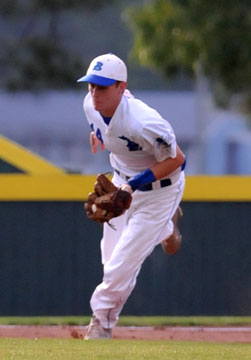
(106, 119)
(107, 114)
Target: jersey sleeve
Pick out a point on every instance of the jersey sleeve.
(159, 139)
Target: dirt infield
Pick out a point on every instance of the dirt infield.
(210, 334)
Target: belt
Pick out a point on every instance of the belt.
(150, 186)
(125, 177)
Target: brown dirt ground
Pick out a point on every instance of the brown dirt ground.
(209, 334)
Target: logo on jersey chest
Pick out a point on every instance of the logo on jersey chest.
(132, 146)
(97, 133)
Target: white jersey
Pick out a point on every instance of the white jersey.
(137, 136)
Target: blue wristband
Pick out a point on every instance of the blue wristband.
(145, 177)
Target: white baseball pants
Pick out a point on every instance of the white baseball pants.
(144, 225)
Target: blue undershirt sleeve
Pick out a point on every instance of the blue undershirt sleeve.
(145, 177)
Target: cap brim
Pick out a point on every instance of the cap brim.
(98, 80)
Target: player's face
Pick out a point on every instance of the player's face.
(106, 98)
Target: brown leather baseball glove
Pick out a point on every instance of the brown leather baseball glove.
(107, 201)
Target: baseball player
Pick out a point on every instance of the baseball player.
(149, 164)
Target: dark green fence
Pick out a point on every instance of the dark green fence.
(50, 262)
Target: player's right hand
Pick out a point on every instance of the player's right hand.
(95, 143)
(126, 187)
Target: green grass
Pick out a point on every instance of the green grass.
(72, 349)
(45, 349)
(133, 320)
(185, 321)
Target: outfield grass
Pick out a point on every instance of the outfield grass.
(44, 349)
(133, 320)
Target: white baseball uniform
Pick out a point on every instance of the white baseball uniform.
(137, 138)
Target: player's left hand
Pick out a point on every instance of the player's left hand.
(107, 201)
(95, 143)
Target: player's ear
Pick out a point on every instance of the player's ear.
(123, 86)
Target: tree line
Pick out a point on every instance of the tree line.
(192, 37)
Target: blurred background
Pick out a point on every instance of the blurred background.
(188, 59)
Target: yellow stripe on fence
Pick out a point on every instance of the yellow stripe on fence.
(25, 160)
(218, 188)
(75, 187)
